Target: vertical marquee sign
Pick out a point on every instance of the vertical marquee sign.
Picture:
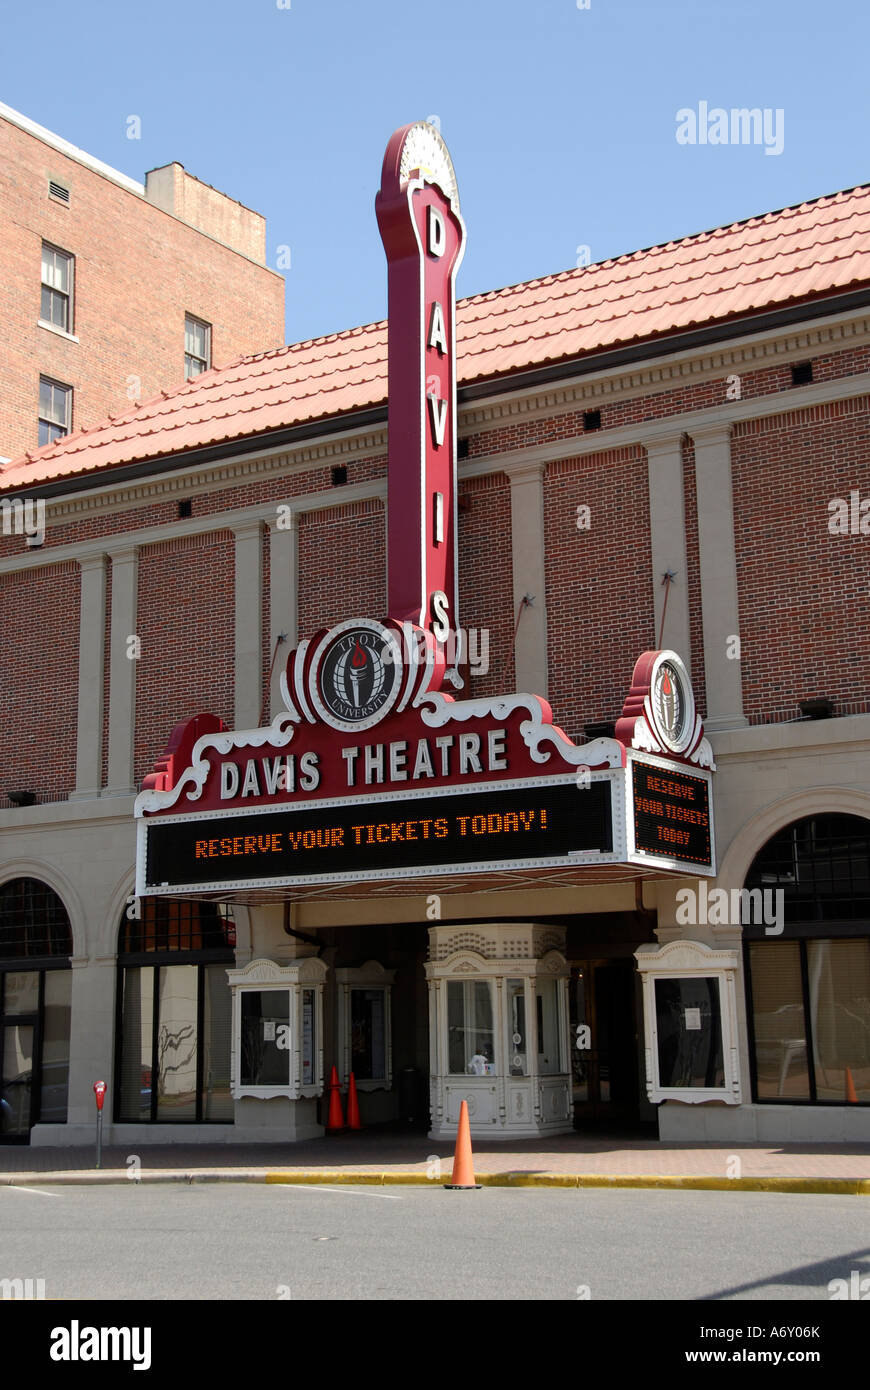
(424, 238)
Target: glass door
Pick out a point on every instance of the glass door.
(603, 1042)
(16, 1078)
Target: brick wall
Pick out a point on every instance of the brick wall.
(342, 573)
(486, 580)
(187, 625)
(803, 592)
(39, 678)
(137, 271)
(599, 596)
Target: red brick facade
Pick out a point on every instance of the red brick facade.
(186, 622)
(804, 613)
(599, 597)
(39, 610)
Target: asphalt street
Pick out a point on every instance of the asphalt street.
(250, 1241)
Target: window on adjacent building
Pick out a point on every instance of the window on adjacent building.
(197, 347)
(57, 288)
(55, 410)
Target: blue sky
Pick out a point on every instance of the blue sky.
(561, 122)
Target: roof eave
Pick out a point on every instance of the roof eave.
(505, 383)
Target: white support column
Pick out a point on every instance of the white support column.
(89, 729)
(92, 1032)
(668, 543)
(249, 624)
(122, 672)
(283, 598)
(718, 562)
(527, 549)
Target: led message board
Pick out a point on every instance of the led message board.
(671, 814)
(528, 824)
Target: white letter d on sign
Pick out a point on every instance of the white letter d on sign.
(437, 238)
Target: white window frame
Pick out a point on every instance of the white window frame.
(68, 328)
(68, 390)
(687, 960)
(308, 973)
(191, 356)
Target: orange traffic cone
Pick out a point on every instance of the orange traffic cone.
(335, 1118)
(463, 1165)
(851, 1093)
(353, 1119)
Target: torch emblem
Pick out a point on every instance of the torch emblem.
(356, 684)
(669, 702)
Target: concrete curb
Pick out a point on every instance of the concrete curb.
(328, 1178)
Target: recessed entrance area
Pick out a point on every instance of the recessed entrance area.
(606, 1018)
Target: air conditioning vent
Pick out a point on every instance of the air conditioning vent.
(59, 191)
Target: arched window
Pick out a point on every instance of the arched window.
(33, 921)
(808, 963)
(174, 1014)
(35, 989)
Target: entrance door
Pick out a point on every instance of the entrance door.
(605, 1068)
(16, 1078)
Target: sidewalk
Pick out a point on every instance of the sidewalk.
(570, 1160)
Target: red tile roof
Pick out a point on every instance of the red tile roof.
(818, 248)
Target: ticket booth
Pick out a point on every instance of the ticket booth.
(498, 1010)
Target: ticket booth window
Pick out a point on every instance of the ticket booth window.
(277, 1029)
(516, 1046)
(690, 1022)
(689, 1032)
(550, 1029)
(470, 1031)
(265, 1038)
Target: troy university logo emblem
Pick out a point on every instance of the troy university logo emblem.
(358, 676)
(669, 702)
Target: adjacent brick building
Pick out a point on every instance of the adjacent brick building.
(707, 402)
(100, 276)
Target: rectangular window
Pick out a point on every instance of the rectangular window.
(549, 1032)
(811, 1020)
(689, 1031)
(265, 1054)
(217, 1042)
(55, 1046)
(175, 1026)
(780, 1025)
(56, 305)
(137, 1044)
(368, 1041)
(469, 1026)
(309, 1026)
(515, 1002)
(55, 410)
(176, 1043)
(839, 990)
(197, 347)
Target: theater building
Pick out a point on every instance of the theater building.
(478, 702)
